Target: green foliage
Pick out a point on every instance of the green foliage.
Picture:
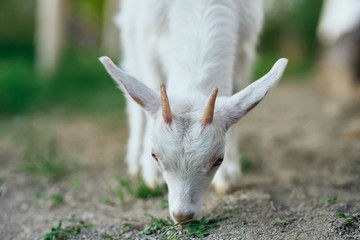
(89, 10)
(201, 228)
(287, 22)
(62, 233)
(20, 32)
(106, 201)
(306, 26)
(2, 189)
(287, 33)
(77, 184)
(240, 226)
(108, 236)
(138, 190)
(297, 235)
(127, 226)
(164, 203)
(231, 210)
(57, 199)
(349, 220)
(155, 225)
(330, 200)
(245, 221)
(19, 35)
(80, 85)
(196, 228)
(49, 165)
(38, 196)
(18, 88)
(246, 164)
(280, 222)
(143, 191)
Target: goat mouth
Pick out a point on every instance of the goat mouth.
(183, 219)
(184, 223)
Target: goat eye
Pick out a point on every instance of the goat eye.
(218, 162)
(154, 156)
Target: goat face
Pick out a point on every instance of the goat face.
(189, 136)
(188, 154)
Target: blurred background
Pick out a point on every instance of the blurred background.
(49, 51)
(63, 119)
(51, 80)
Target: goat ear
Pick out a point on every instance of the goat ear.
(236, 106)
(144, 96)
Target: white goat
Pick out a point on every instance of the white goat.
(198, 48)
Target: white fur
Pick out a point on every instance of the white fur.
(192, 46)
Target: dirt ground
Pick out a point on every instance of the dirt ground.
(302, 144)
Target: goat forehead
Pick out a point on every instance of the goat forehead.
(188, 134)
(187, 146)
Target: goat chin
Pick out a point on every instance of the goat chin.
(202, 51)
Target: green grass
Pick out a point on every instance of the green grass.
(76, 184)
(155, 225)
(246, 164)
(349, 220)
(60, 232)
(280, 222)
(126, 226)
(297, 235)
(107, 201)
(80, 85)
(2, 189)
(166, 230)
(296, 70)
(330, 199)
(240, 227)
(142, 191)
(56, 199)
(108, 236)
(230, 209)
(163, 204)
(139, 190)
(18, 87)
(48, 165)
(129, 190)
(38, 196)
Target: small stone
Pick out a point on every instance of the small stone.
(24, 206)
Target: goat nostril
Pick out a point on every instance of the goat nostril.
(182, 217)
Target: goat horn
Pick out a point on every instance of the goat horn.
(209, 109)
(165, 105)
